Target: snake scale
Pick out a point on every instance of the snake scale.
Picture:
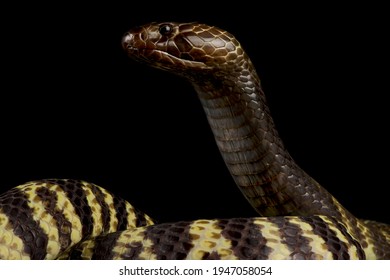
(297, 217)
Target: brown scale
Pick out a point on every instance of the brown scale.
(105, 217)
(77, 197)
(246, 238)
(172, 240)
(338, 248)
(49, 199)
(14, 204)
(381, 234)
(101, 248)
(24, 214)
(292, 235)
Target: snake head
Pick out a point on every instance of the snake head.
(184, 48)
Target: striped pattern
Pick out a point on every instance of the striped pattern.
(69, 219)
(317, 237)
(41, 219)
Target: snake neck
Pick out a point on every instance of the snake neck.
(245, 133)
(264, 171)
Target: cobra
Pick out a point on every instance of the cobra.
(297, 218)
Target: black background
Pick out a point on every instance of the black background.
(74, 106)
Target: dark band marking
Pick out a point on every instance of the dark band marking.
(133, 251)
(76, 195)
(49, 200)
(337, 247)
(14, 205)
(292, 235)
(121, 212)
(172, 241)
(379, 232)
(211, 256)
(140, 219)
(360, 252)
(104, 245)
(105, 209)
(247, 241)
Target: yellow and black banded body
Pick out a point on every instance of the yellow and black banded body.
(298, 218)
(70, 219)
(317, 237)
(41, 219)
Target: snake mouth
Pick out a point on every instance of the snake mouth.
(163, 59)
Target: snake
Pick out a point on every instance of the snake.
(296, 218)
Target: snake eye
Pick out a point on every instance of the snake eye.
(165, 29)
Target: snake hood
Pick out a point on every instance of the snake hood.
(186, 49)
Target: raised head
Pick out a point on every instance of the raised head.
(185, 48)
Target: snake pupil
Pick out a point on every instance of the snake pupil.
(165, 29)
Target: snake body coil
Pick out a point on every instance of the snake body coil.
(298, 219)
